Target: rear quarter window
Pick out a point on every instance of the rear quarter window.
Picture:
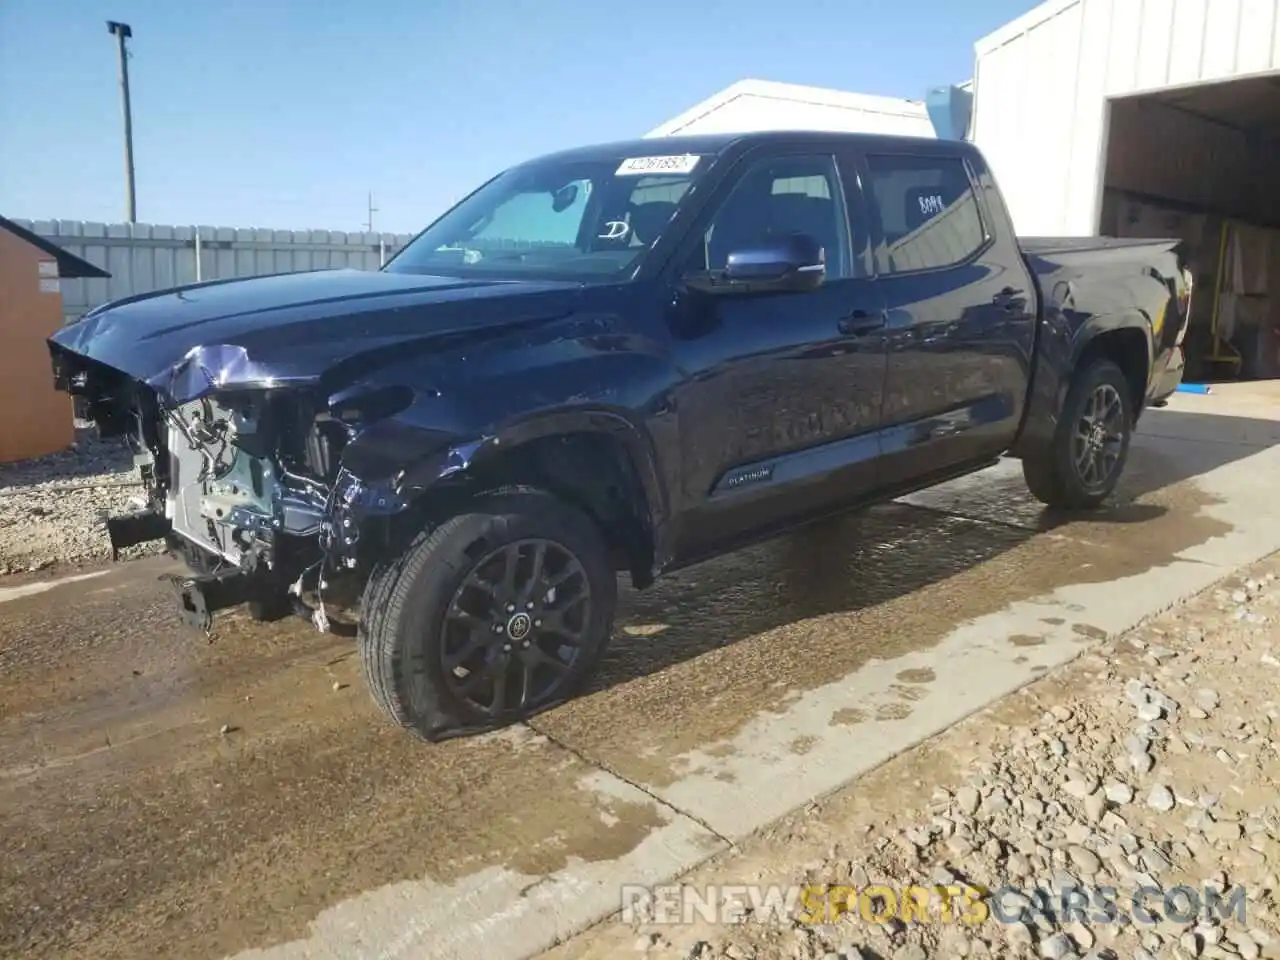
(927, 210)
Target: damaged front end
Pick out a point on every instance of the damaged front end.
(245, 478)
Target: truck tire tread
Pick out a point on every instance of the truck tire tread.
(1052, 477)
(425, 573)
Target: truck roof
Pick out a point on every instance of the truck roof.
(718, 143)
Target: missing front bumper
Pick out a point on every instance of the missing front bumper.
(199, 598)
(131, 529)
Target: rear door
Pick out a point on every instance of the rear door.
(960, 311)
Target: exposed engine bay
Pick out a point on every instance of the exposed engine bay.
(227, 491)
(245, 486)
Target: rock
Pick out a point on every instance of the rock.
(967, 800)
(1081, 935)
(1224, 832)
(1056, 947)
(1244, 945)
(1018, 866)
(1239, 596)
(1080, 788)
(1095, 806)
(1149, 712)
(1064, 880)
(1135, 743)
(1085, 860)
(918, 836)
(1118, 793)
(225, 729)
(1135, 691)
(1019, 934)
(1113, 821)
(1142, 762)
(1078, 833)
(1160, 798)
(1206, 699)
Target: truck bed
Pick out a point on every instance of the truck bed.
(1082, 251)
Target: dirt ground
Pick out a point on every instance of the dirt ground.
(1148, 766)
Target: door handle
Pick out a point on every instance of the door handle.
(862, 322)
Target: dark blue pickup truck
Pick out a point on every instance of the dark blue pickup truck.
(618, 358)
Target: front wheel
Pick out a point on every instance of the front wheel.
(1091, 445)
(495, 614)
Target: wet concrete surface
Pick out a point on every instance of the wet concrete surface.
(131, 825)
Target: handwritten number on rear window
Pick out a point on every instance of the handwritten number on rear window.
(932, 205)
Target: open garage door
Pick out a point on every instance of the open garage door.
(1199, 162)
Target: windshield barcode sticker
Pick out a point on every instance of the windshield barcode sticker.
(637, 166)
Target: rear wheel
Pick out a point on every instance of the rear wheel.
(1091, 445)
(495, 614)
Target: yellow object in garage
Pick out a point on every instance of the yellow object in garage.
(1222, 351)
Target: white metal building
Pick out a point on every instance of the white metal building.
(753, 105)
(1167, 98)
(1150, 118)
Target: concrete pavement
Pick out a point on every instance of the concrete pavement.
(734, 692)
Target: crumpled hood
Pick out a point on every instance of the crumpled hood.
(267, 331)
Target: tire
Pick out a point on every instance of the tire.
(410, 622)
(1057, 478)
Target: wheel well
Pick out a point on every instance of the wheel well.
(595, 473)
(1127, 349)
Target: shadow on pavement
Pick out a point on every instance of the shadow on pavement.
(896, 549)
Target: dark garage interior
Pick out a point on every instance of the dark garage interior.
(1199, 163)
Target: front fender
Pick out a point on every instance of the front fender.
(480, 408)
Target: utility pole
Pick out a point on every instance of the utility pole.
(122, 33)
(372, 210)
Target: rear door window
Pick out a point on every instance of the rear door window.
(927, 211)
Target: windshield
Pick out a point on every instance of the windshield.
(556, 219)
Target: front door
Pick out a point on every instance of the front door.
(778, 416)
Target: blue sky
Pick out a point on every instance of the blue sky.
(284, 113)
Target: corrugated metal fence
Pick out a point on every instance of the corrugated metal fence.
(143, 256)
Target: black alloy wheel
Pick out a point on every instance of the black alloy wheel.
(516, 626)
(1099, 438)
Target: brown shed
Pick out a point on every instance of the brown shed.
(35, 419)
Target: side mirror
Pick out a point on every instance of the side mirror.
(790, 264)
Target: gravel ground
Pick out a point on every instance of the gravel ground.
(1149, 762)
(52, 508)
